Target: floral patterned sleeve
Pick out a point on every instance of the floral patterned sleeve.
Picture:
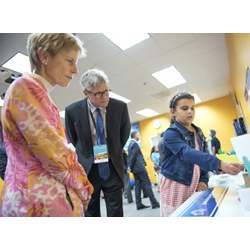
(38, 120)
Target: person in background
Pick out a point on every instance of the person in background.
(127, 188)
(43, 176)
(155, 157)
(137, 164)
(185, 160)
(100, 125)
(160, 146)
(215, 143)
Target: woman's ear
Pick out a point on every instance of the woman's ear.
(42, 56)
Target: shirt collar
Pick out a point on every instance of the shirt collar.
(93, 108)
(133, 140)
(197, 130)
(184, 129)
(44, 82)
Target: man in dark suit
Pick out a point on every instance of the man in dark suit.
(3, 155)
(137, 164)
(215, 143)
(99, 127)
(127, 188)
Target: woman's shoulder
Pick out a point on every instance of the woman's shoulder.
(31, 86)
(24, 82)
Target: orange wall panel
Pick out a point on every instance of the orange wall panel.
(239, 59)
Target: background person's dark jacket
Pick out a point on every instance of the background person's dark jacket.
(136, 160)
(3, 162)
(179, 155)
(125, 160)
(216, 144)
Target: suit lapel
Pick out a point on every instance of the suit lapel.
(109, 119)
(85, 125)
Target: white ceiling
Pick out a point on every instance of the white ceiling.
(200, 58)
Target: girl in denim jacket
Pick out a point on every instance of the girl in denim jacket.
(185, 160)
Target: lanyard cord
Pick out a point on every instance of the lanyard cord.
(93, 120)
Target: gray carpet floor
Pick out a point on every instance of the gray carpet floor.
(130, 209)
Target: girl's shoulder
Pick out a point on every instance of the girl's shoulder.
(172, 132)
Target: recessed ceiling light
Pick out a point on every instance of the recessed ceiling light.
(169, 77)
(19, 63)
(147, 112)
(196, 98)
(125, 40)
(119, 97)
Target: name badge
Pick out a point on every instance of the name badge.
(101, 153)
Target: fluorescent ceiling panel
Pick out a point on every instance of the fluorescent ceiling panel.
(147, 112)
(169, 77)
(126, 40)
(119, 97)
(19, 63)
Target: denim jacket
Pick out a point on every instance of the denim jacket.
(179, 155)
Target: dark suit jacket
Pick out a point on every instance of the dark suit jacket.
(78, 132)
(136, 160)
(3, 162)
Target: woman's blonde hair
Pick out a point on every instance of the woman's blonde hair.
(51, 43)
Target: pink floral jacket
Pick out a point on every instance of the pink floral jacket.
(43, 176)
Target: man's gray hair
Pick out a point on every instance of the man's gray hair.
(92, 78)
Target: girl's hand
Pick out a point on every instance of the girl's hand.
(201, 186)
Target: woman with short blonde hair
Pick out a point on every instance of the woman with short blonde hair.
(43, 176)
(51, 43)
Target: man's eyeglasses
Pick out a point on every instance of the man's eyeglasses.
(99, 94)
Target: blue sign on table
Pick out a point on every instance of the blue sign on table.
(204, 205)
